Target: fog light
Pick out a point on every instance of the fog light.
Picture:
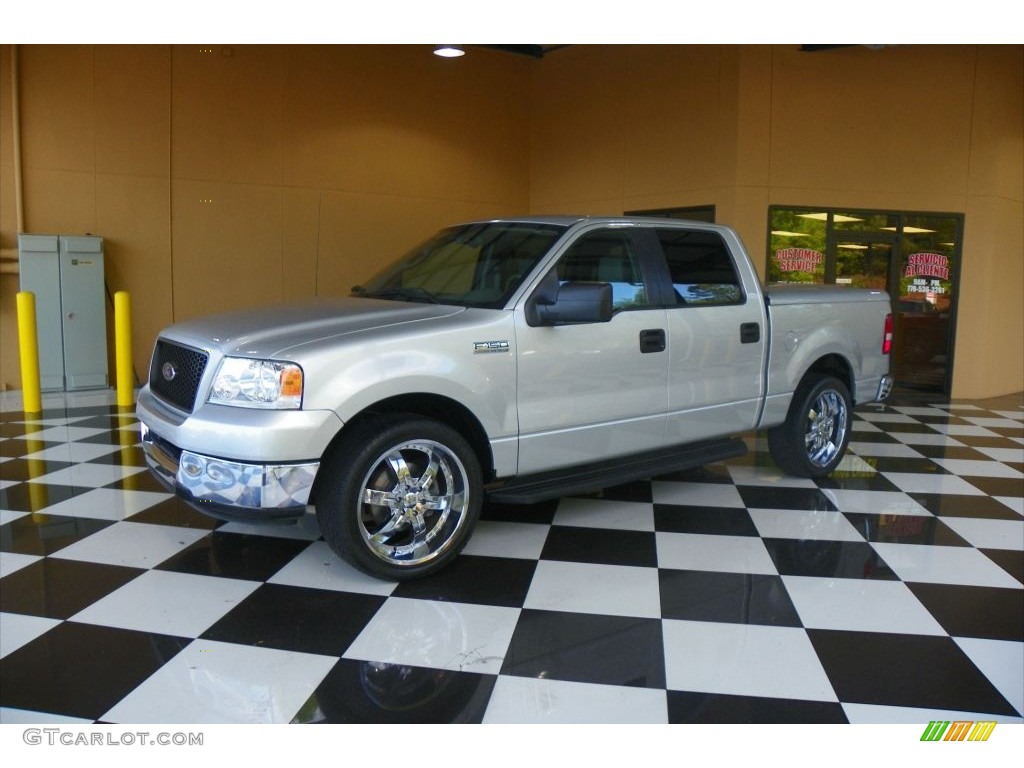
(191, 464)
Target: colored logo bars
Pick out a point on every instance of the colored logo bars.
(958, 730)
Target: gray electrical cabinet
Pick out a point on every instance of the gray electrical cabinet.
(65, 273)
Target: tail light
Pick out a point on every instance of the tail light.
(887, 338)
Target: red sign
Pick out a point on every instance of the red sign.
(798, 259)
(927, 265)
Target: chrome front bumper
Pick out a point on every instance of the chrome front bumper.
(230, 489)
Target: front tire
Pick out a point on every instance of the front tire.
(813, 439)
(399, 496)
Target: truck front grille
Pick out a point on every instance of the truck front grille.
(176, 372)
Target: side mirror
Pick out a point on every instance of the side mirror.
(568, 304)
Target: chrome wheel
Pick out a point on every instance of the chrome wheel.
(826, 428)
(414, 503)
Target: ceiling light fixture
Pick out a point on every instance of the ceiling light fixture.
(449, 51)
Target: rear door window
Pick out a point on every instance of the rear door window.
(701, 267)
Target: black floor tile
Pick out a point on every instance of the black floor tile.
(760, 497)
(234, 556)
(15, 448)
(586, 648)
(58, 589)
(841, 559)
(82, 670)
(905, 671)
(542, 512)
(20, 470)
(993, 486)
(600, 545)
(36, 497)
(712, 708)
(297, 619)
(905, 529)
(369, 692)
(46, 534)
(475, 579)
(951, 505)
(736, 598)
(1011, 561)
(176, 512)
(677, 518)
(989, 612)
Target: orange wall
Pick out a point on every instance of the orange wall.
(253, 174)
(225, 177)
(916, 128)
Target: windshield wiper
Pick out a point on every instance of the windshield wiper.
(410, 293)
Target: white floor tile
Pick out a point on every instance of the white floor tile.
(885, 417)
(66, 434)
(913, 410)
(704, 552)
(860, 425)
(107, 504)
(603, 513)
(944, 565)
(743, 660)
(137, 545)
(963, 430)
(772, 476)
(859, 605)
(969, 468)
(1002, 662)
(529, 701)
(912, 482)
(180, 604)
(887, 450)
(304, 528)
(17, 629)
(926, 438)
(1016, 503)
(696, 494)
(10, 716)
(1010, 455)
(1017, 415)
(989, 534)
(803, 525)
(875, 502)
(613, 590)
(89, 475)
(210, 682)
(317, 567)
(74, 452)
(437, 634)
(494, 538)
(15, 561)
(995, 423)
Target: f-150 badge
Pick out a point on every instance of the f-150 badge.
(490, 346)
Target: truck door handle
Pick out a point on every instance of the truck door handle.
(652, 340)
(750, 333)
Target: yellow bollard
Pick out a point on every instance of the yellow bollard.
(123, 348)
(28, 347)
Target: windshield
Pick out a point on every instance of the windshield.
(474, 265)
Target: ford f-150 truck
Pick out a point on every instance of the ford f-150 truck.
(518, 360)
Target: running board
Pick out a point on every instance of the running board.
(593, 477)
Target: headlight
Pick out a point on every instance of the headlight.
(257, 384)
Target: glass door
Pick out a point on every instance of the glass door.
(913, 256)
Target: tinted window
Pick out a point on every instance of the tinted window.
(606, 256)
(701, 267)
(476, 265)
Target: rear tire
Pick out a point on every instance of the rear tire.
(399, 496)
(813, 439)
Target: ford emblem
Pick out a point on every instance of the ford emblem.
(169, 371)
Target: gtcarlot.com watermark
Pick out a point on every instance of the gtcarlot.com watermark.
(54, 737)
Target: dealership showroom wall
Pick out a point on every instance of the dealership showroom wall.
(235, 176)
(229, 176)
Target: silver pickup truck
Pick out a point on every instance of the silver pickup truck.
(517, 360)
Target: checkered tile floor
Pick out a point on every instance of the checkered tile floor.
(892, 591)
